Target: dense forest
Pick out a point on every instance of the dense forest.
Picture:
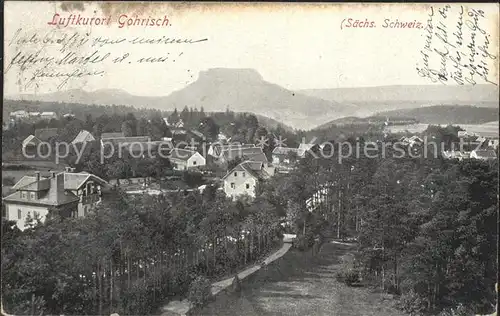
(426, 227)
(132, 254)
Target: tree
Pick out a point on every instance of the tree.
(157, 128)
(97, 129)
(89, 123)
(127, 129)
(208, 127)
(174, 117)
(142, 127)
(185, 115)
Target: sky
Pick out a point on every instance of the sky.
(298, 46)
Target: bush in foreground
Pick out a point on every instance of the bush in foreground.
(303, 242)
(200, 291)
(349, 277)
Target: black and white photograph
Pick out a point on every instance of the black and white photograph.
(250, 159)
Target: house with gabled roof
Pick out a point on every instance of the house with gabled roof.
(245, 177)
(83, 137)
(35, 196)
(30, 144)
(183, 159)
(243, 152)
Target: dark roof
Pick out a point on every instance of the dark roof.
(42, 185)
(46, 133)
(55, 195)
(198, 133)
(254, 168)
(259, 157)
(26, 181)
(219, 148)
(238, 151)
(74, 181)
(181, 154)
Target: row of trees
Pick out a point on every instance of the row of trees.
(426, 226)
(132, 254)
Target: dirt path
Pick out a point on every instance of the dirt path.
(297, 285)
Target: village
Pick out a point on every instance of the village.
(239, 167)
(234, 167)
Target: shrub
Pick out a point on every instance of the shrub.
(200, 291)
(460, 310)
(348, 277)
(137, 299)
(412, 303)
(303, 242)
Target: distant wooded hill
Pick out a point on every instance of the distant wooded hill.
(82, 110)
(438, 114)
(448, 114)
(366, 101)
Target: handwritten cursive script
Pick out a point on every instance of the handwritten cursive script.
(65, 55)
(457, 47)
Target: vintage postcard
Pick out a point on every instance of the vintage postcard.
(206, 158)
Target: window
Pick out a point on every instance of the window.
(194, 163)
(233, 185)
(24, 195)
(32, 195)
(247, 186)
(244, 174)
(19, 213)
(236, 174)
(35, 214)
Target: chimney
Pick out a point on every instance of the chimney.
(60, 182)
(37, 175)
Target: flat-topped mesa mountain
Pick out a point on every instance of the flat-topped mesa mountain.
(244, 90)
(241, 90)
